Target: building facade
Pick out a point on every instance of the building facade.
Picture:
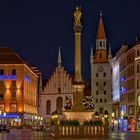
(18, 90)
(101, 72)
(58, 92)
(129, 63)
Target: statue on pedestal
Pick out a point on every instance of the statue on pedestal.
(77, 16)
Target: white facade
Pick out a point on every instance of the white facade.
(101, 87)
(58, 92)
(101, 73)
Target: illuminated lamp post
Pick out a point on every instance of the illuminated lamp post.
(96, 115)
(113, 115)
(106, 122)
(54, 118)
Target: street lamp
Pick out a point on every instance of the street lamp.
(106, 114)
(96, 115)
(54, 118)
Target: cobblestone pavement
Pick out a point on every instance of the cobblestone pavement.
(39, 135)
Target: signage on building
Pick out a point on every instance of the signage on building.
(116, 81)
(8, 116)
(7, 77)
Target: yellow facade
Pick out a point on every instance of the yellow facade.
(20, 91)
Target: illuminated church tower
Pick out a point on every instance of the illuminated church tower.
(101, 72)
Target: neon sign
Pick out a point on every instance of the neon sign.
(122, 79)
(9, 116)
(7, 77)
(27, 79)
(123, 90)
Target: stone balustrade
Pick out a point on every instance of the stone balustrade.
(79, 131)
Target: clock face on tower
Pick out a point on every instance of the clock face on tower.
(100, 69)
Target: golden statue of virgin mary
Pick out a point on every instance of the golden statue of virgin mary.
(77, 16)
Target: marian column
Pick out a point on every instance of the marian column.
(78, 84)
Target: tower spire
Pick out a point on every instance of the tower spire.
(59, 58)
(101, 31)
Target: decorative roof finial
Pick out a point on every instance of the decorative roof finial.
(101, 13)
(59, 58)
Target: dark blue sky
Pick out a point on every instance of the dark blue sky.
(36, 28)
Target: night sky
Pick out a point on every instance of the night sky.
(36, 28)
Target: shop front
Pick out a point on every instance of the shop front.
(11, 119)
(131, 123)
(32, 120)
(124, 124)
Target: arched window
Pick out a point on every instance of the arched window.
(59, 104)
(48, 107)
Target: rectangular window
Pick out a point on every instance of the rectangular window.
(104, 83)
(1, 96)
(138, 69)
(100, 100)
(104, 74)
(104, 92)
(13, 83)
(59, 90)
(97, 75)
(2, 107)
(137, 83)
(101, 110)
(96, 100)
(96, 83)
(13, 71)
(1, 71)
(105, 100)
(138, 53)
(13, 94)
(13, 108)
(96, 92)
(1, 84)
